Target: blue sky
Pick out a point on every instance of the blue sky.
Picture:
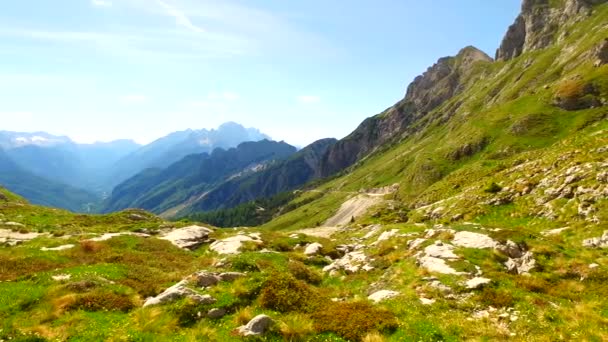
(297, 70)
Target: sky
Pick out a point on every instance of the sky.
(99, 70)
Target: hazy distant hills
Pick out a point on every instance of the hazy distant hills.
(175, 146)
(159, 190)
(41, 160)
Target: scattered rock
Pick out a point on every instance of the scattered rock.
(351, 262)
(593, 266)
(414, 244)
(257, 326)
(473, 240)
(522, 265)
(601, 54)
(598, 242)
(190, 237)
(216, 313)
(477, 282)
(59, 248)
(440, 250)
(386, 236)
(313, 249)
(381, 295)
(511, 249)
(436, 265)
(177, 292)
(426, 301)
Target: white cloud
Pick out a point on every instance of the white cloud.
(134, 98)
(308, 99)
(180, 17)
(101, 3)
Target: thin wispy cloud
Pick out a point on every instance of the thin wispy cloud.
(101, 3)
(180, 17)
(308, 99)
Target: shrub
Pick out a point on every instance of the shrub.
(302, 272)
(90, 246)
(283, 293)
(296, 327)
(493, 188)
(243, 316)
(499, 298)
(354, 320)
(102, 301)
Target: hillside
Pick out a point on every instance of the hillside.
(159, 190)
(473, 209)
(43, 191)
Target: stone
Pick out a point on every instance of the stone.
(109, 236)
(216, 313)
(387, 235)
(414, 244)
(473, 240)
(257, 326)
(426, 301)
(593, 266)
(522, 265)
(601, 53)
(61, 277)
(177, 292)
(231, 245)
(554, 232)
(351, 263)
(205, 279)
(382, 295)
(436, 265)
(231, 276)
(190, 237)
(313, 249)
(440, 250)
(510, 249)
(477, 283)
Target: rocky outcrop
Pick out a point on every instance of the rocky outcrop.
(382, 295)
(190, 237)
(232, 245)
(428, 91)
(601, 54)
(537, 25)
(257, 326)
(179, 291)
(597, 242)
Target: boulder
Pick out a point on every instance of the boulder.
(59, 248)
(232, 244)
(216, 313)
(477, 282)
(440, 250)
(381, 295)
(436, 265)
(205, 279)
(231, 276)
(257, 326)
(522, 265)
(414, 244)
(313, 249)
(176, 292)
(473, 240)
(190, 237)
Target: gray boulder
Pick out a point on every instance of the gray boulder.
(257, 326)
(190, 237)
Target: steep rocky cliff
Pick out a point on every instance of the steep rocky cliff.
(428, 91)
(541, 23)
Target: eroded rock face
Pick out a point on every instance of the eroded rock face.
(537, 25)
(597, 242)
(190, 237)
(257, 326)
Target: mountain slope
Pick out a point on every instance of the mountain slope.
(159, 190)
(285, 175)
(175, 146)
(42, 191)
(494, 114)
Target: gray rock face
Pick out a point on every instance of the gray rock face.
(190, 237)
(381, 295)
(473, 240)
(477, 282)
(522, 265)
(536, 27)
(257, 326)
